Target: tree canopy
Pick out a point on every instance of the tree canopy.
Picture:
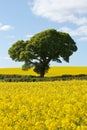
(43, 47)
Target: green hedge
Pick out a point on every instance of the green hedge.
(30, 78)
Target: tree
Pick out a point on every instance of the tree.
(46, 46)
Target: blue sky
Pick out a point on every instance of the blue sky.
(21, 19)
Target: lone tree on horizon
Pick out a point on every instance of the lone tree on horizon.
(43, 47)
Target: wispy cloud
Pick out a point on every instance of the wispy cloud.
(62, 10)
(80, 31)
(5, 27)
(10, 37)
(83, 39)
(4, 58)
(28, 36)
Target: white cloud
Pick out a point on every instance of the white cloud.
(5, 27)
(62, 10)
(68, 30)
(81, 32)
(4, 58)
(83, 39)
(10, 36)
(28, 36)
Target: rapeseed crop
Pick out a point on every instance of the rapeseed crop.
(53, 71)
(59, 105)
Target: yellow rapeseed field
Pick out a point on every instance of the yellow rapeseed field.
(59, 105)
(53, 71)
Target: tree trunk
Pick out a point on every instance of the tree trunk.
(44, 68)
(42, 73)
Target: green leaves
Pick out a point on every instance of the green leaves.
(16, 50)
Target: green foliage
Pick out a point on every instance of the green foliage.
(30, 78)
(17, 50)
(42, 48)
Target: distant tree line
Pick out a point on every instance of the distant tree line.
(31, 78)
